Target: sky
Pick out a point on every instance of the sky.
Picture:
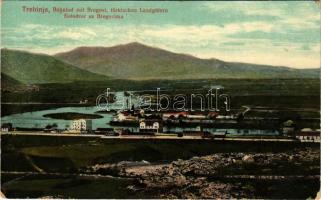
(273, 33)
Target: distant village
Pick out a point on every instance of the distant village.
(178, 124)
(131, 121)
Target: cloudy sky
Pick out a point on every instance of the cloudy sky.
(274, 33)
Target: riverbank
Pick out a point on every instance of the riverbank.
(72, 116)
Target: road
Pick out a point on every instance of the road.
(142, 137)
(266, 177)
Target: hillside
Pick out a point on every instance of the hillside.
(138, 61)
(29, 68)
(7, 81)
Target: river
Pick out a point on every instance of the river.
(37, 120)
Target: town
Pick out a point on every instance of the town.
(160, 100)
(177, 125)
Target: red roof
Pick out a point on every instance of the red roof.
(308, 133)
(176, 113)
(213, 113)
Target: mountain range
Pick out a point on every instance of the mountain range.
(138, 61)
(30, 68)
(130, 61)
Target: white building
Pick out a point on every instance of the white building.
(151, 126)
(196, 116)
(5, 129)
(306, 135)
(81, 125)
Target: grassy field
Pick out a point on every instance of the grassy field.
(71, 154)
(74, 154)
(35, 186)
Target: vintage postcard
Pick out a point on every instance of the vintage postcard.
(160, 99)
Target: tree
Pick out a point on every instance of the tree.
(48, 126)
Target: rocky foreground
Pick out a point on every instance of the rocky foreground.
(205, 177)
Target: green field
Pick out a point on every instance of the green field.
(66, 186)
(72, 154)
